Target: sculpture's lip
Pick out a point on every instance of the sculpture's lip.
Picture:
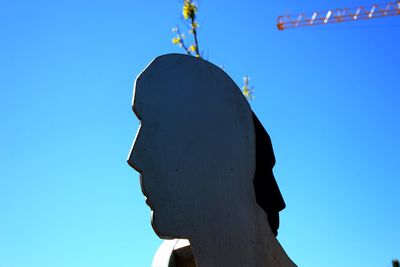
(148, 202)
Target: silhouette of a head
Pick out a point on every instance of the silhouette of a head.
(196, 148)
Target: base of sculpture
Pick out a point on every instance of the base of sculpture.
(174, 253)
(182, 257)
(179, 253)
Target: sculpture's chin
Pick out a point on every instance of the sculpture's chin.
(161, 227)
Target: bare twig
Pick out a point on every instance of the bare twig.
(182, 42)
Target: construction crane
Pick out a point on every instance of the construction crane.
(339, 15)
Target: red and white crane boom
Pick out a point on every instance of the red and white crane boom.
(339, 15)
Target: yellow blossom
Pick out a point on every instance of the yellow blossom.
(176, 40)
(246, 89)
(189, 9)
(247, 92)
(192, 48)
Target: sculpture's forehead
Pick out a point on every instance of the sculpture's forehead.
(178, 83)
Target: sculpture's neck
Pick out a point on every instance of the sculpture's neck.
(247, 242)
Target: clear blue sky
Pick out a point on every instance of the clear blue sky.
(329, 97)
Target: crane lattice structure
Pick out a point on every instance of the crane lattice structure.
(339, 15)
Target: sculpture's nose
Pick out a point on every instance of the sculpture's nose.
(133, 153)
(132, 159)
